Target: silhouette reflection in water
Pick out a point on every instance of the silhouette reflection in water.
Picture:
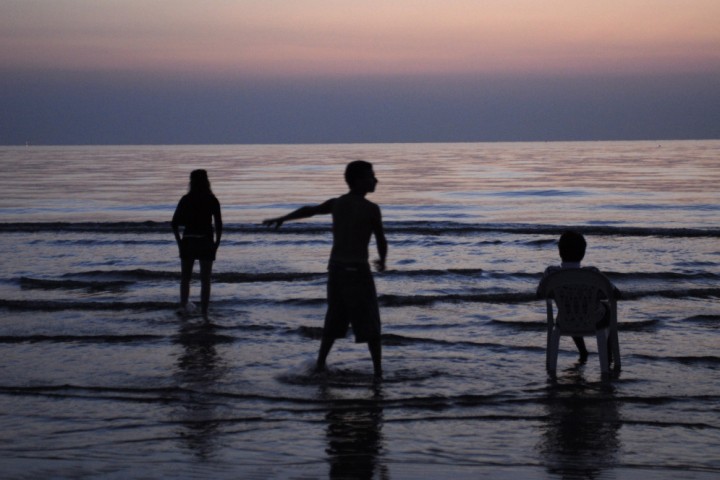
(580, 437)
(199, 369)
(354, 435)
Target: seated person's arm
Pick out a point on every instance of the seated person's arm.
(540, 292)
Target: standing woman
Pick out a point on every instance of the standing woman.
(196, 212)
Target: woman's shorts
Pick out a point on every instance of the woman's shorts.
(352, 300)
(197, 248)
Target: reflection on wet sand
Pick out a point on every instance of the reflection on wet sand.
(354, 436)
(580, 434)
(198, 371)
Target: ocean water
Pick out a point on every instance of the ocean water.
(100, 378)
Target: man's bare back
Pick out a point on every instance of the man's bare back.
(355, 219)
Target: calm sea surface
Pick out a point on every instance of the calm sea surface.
(100, 378)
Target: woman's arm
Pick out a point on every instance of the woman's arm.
(217, 217)
(176, 221)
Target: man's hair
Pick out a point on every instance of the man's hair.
(354, 169)
(572, 246)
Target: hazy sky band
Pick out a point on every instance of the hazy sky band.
(107, 109)
(373, 37)
(334, 71)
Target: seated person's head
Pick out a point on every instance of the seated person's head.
(359, 175)
(572, 246)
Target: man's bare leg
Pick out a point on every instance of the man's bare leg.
(375, 348)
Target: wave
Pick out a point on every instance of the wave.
(393, 339)
(421, 300)
(203, 333)
(199, 336)
(141, 274)
(703, 293)
(662, 276)
(80, 338)
(710, 320)
(443, 407)
(427, 300)
(390, 301)
(53, 305)
(89, 286)
(704, 360)
(135, 275)
(121, 278)
(514, 297)
(94, 241)
(114, 280)
(129, 394)
(541, 326)
(180, 394)
(207, 334)
(409, 227)
(542, 193)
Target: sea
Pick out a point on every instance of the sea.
(100, 377)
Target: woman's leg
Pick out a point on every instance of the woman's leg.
(205, 273)
(186, 268)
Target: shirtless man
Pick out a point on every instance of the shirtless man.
(352, 298)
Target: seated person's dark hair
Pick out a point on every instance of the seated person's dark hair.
(572, 246)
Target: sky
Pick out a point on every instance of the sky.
(338, 71)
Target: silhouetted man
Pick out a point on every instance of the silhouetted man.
(352, 298)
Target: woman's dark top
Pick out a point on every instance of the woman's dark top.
(195, 212)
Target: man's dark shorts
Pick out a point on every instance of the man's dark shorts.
(352, 300)
(197, 248)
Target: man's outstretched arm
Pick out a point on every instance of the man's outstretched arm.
(302, 212)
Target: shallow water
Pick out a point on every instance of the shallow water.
(101, 378)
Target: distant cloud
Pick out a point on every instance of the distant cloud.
(371, 37)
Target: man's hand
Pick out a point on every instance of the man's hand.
(273, 221)
(379, 265)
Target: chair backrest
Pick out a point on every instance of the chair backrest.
(577, 292)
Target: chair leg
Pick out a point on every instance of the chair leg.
(615, 346)
(553, 345)
(602, 345)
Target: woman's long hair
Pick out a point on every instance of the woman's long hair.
(199, 182)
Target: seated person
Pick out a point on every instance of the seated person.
(572, 247)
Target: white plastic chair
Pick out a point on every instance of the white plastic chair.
(578, 294)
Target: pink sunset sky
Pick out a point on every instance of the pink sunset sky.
(296, 71)
(342, 37)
